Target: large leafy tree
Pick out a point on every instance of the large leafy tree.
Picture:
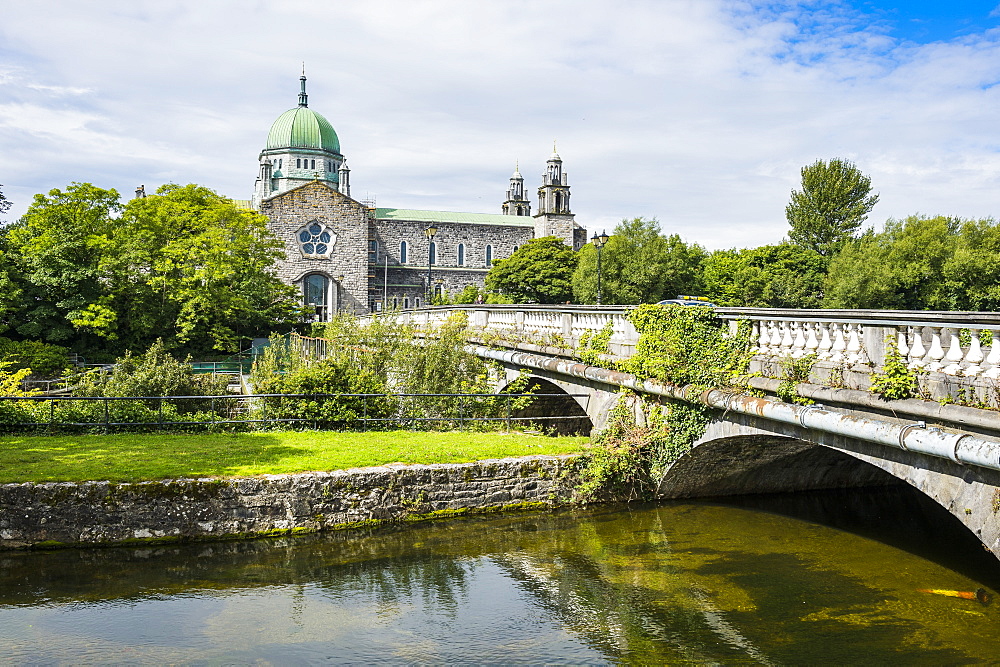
(540, 271)
(11, 298)
(59, 252)
(185, 265)
(920, 263)
(205, 268)
(639, 265)
(775, 276)
(834, 200)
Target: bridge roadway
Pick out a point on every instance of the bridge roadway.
(851, 438)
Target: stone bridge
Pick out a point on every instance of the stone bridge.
(848, 438)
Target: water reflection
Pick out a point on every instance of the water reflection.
(741, 582)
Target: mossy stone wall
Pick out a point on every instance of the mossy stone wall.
(64, 513)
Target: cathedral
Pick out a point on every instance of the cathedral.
(349, 255)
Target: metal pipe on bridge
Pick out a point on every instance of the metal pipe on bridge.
(962, 448)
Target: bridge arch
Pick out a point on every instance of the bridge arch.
(555, 400)
(740, 455)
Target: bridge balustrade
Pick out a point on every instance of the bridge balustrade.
(955, 350)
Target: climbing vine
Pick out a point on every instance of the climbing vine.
(679, 345)
(688, 345)
(794, 372)
(897, 380)
(594, 345)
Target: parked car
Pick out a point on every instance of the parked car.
(689, 301)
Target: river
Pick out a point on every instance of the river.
(820, 578)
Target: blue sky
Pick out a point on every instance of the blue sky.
(697, 112)
(924, 21)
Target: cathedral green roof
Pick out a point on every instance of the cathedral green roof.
(302, 127)
(411, 215)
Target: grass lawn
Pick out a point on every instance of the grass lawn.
(138, 457)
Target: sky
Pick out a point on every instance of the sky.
(699, 113)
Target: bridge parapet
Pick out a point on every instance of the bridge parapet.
(954, 352)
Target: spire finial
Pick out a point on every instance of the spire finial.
(554, 146)
(303, 98)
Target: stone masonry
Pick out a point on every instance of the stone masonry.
(109, 513)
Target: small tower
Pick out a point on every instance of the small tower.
(344, 178)
(554, 217)
(516, 204)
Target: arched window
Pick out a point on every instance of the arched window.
(395, 302)
(461, 254)
(416, 302)
(279, 162)
(298, 163)
(316, 295)
(432, 257)
(313, 164)
(406, 302)
(489, 255)
(402, 252)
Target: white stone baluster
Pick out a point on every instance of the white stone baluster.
(799, 343)
(917, 350)
(839, 343)
(824, 351)
(974, 357)
(901, 347)
(812, 342)
(954, 356)
(993, 358)
(786, 341)
(775, 348)
(764, 338)
(936, 353)
(854, 354)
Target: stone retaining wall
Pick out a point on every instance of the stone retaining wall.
(108, 513)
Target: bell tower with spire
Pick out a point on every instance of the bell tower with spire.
(554, 217)
(516, 203)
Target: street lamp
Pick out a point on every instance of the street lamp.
(430, 233)
(599, 242)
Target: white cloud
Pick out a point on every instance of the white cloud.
(698, 112)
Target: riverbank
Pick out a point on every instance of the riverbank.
(54, 514)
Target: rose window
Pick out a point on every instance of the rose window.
(315, 240)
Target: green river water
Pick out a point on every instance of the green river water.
(823, 578)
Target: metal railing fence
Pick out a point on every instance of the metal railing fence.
(318, 411)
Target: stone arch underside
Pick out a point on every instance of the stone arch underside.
(596, 399)
(741, 454)
(555, 409)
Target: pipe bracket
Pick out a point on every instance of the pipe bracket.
(903, 431)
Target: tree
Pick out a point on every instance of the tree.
(58, 250)
(184, 264)
(835, 199)
(4, 202)
(921, 262)
(540, 271)
(205, 269)
(776, 276)
(639, 265)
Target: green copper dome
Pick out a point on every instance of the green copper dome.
(302, 127)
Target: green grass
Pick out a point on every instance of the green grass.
(139, 457)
